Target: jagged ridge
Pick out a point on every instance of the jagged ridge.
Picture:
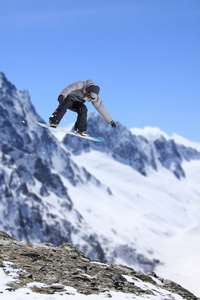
(133, 150)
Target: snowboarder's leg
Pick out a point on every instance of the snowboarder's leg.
(81, 110)
(58, 114)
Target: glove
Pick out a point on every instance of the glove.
(60, 98)
(113, 124)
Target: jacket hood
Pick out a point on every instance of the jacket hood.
(88, 83)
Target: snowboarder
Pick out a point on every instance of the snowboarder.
(73, 98)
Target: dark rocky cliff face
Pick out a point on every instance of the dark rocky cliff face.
(58, 268)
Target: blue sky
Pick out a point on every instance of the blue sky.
(144, 54)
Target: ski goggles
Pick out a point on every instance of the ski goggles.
(91, 95)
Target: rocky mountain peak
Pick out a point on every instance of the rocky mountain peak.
(5, 85)
(64, 270)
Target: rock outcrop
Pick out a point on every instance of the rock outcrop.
(48, 269)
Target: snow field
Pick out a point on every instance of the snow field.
(158, 215)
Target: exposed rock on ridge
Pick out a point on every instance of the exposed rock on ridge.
(57, 268)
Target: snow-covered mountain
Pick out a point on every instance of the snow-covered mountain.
(35, 171)
(137, 151)
(155, 206)
(132, 199)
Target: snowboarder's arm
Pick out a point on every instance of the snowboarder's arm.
(98, 104)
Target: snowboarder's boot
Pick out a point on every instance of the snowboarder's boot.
(83, 133)
(53, 122)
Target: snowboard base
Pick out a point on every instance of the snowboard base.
(94, 139)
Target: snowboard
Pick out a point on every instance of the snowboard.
(95, 139)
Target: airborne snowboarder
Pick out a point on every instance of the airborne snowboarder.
(73, 98)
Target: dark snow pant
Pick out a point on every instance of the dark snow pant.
(76, 106)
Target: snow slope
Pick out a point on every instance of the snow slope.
(157, 215)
